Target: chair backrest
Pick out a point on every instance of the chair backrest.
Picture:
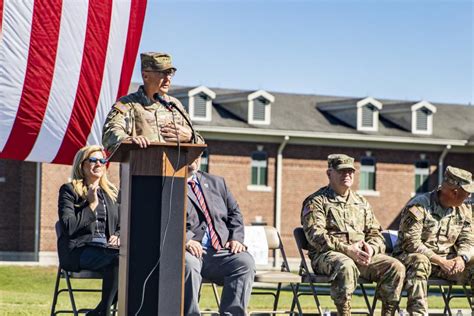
(389, 245)
(300, 238)
(301, 245)
(59, 229)
(273, 238)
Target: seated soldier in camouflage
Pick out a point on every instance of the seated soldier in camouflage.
(345, 240)
(436, 238)
(150, 114)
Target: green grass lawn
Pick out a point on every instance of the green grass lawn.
(29, 291)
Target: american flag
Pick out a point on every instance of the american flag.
(63, 63)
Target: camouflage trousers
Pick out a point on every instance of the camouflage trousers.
(418, 270)
(388, 272)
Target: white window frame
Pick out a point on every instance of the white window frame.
(422, 172)
(196, 92)
(431, 108)
(255, 95)
(368, 168)
(375, 120)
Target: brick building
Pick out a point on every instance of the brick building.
(272, 149)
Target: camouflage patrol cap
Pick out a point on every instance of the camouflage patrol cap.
(156, 61)
(460, 178)
(340, 161)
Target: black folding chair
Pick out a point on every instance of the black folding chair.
(67, 276)
(432, 281)
(313, 279)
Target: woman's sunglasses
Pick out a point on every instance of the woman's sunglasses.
(95, 160)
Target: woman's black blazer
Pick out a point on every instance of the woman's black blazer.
(78, 222)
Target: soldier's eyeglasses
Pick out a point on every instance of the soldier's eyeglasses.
(95, 160)
(165, 73)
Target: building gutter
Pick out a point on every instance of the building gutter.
(278, 187)
(441, 163)
(331, 136)
(37, 211)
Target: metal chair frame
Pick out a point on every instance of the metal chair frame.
(275, 244)
(432, 282)
(312, 279)
(67, 276)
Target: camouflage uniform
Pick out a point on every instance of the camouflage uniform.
(332, 223)
(428, 229)
(137, 115)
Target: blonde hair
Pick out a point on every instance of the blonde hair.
(77, 175)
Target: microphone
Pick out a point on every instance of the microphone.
(166, 104)
(170, 105)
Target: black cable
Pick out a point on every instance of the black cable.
(170, 105)
(169, 213)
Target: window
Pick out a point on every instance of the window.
(422, 173)
(422, 119)
(367, 174)
(200, 105)
(259, 105)
(204, 161)
(368, 115)
(259, 168)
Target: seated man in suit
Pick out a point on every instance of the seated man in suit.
(214, 244)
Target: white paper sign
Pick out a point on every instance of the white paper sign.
(256, 241)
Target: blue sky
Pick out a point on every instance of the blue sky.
(408, 50)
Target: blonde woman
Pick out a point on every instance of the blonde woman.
(89, 216)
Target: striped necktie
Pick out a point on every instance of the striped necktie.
(197, 191)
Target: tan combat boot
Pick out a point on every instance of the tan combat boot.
(344, 309)
(389, 308)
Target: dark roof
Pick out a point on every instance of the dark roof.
(299, 112)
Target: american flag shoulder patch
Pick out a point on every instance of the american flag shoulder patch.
(306, 210)
(416, 212)
(121, 107)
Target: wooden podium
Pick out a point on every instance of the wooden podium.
(152, 226)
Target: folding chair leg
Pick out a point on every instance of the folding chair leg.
(277, 297)
(469, 297)
(71, 295)
(448, 298)
(295, 292)
(366, 299)
(295, 300)
(316, 299)
(445, 300)
(56, 288)
(216, 295)
(374, 304)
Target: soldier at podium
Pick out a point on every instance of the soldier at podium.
(150, 114)
(214, 244)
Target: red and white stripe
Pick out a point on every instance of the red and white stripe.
(63, 63)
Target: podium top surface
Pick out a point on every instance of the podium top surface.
(121, 153)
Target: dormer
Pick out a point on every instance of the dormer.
(198, 102)
(416, 118)
(254, 107)
(361, 114)
(422, 118)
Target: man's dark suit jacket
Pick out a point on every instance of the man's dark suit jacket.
(223, 208)
(78, 222)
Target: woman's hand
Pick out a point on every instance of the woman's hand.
(114, 241)
(92, 196)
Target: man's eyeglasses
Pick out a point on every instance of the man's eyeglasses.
(165, 73)
(95, 160)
